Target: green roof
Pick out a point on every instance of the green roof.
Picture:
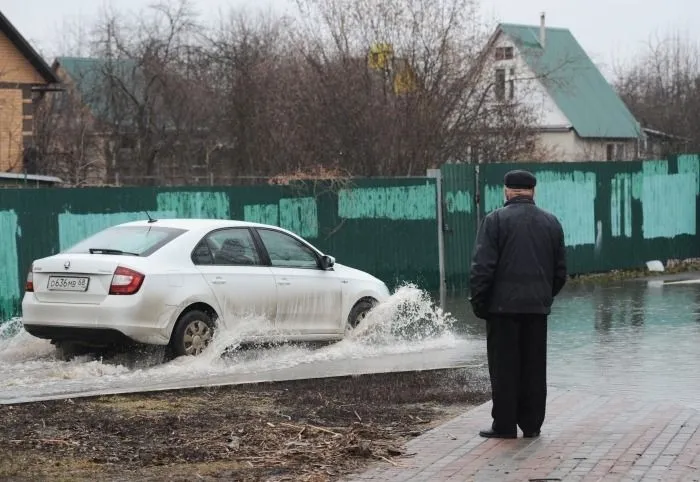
(92, 77)
(574, 82)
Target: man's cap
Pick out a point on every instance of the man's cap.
(520, 179)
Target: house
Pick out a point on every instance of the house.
(659, 145)
(580, 116)
(88, 121)
(24, 77)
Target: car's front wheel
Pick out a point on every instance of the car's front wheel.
(359, 313)
(192, 334)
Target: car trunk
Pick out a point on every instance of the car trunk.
(74, 278)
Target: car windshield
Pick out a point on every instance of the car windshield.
(127, 240)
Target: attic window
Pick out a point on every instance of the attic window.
(504, 53)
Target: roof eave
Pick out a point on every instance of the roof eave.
(27, 50)
(666, 135)
(598, 136)
(30, 177)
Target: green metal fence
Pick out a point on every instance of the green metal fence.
(460, 222)
(615, 216)
(384, 226)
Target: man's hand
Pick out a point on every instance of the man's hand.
(480, 309)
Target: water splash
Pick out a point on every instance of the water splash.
(10, 328)
(409, 315)
(16, 345)
(408, 326)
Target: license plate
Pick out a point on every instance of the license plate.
(68, 283)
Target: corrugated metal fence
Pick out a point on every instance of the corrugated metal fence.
(615, 215)
(384, 226)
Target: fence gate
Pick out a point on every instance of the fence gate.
(460, 223)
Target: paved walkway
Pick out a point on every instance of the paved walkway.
(585, 437)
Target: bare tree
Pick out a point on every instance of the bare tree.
(68, 139)
(149, 88)
(662, 89)
(354, 86)
(247, 57)
(443, 112)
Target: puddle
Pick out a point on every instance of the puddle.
(404, 333)
(633, 338)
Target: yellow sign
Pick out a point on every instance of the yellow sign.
(380, 56)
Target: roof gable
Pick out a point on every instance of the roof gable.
(94, 77)
(574, 82)
(27, 50)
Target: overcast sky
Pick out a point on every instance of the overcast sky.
(611, 31)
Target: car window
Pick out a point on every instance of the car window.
(227, 247)
(285, 251)
(131, 240)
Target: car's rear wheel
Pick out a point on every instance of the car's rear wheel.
(359, 313)
(192, 334)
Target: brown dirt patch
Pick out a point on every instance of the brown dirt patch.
(310, 430)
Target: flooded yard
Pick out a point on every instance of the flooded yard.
(634, 337)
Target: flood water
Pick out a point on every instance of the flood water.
(404, 333)
(635, 338)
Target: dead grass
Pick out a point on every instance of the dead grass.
(673, 267)
(308, 430)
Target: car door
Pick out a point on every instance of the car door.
(232, 265)
(308, 298)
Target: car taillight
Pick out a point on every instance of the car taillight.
(29, 284)
(125, 281)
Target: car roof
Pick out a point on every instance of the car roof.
(191, 224)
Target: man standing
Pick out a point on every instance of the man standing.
(518, 267)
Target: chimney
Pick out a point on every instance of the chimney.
(543, 31)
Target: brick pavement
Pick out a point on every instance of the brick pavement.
(584, 438)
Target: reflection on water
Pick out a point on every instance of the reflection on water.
(630, 338)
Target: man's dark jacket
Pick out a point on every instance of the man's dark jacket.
(519, 262)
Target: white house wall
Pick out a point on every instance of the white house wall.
(568, 147)
(528, 89)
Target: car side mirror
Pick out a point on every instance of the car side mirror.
(327, 262)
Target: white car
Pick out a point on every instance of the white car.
(174, 281)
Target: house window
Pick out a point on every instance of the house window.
(615, 152)
(500, 84)
(511, 84)
(620, 152)
(504, 53)
(609, 152)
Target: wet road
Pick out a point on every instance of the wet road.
(633, 337)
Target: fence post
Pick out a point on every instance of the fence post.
(437, 175)
(477, 195)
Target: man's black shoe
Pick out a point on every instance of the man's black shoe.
(531, 434)
(491, 433)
